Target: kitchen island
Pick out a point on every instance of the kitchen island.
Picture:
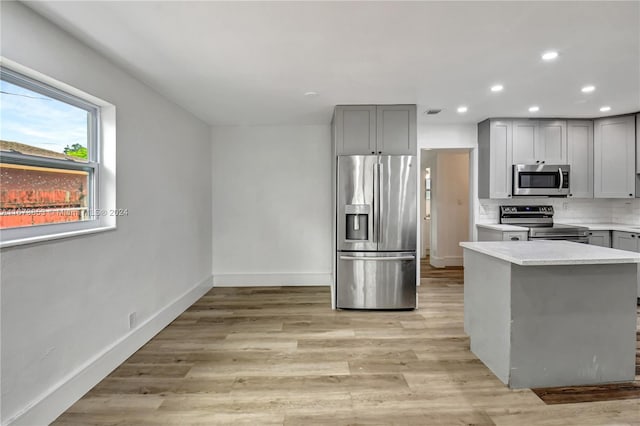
(551, 313)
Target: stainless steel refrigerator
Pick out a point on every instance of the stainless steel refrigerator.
(376, 232)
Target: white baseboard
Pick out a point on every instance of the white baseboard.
(443, 262)
(268, 280)
(58, 398)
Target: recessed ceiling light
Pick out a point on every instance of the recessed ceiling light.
(588, 89)
(534, 109)
(497, 88)
(605, 108)
(311, 94)
(549, 55)
(462, 109)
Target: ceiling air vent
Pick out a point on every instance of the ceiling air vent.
(432, 111)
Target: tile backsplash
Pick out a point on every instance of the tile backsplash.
(570, 210)
(626, 211)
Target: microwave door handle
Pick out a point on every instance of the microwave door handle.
(561, 179)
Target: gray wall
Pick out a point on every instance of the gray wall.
(271, 209)
(65, 302)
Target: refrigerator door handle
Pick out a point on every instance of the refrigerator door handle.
(379, 211)
(377, 258)
(376, 202)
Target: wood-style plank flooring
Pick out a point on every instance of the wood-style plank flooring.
(277, 355)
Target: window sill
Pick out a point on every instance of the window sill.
(56, 236)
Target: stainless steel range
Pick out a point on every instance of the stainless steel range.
(539, 220)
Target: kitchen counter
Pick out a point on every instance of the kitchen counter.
(541, 313)
(592, 226)
(502, 227)
(609, 227)
(536, 253)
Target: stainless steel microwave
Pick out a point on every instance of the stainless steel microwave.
(541, 179)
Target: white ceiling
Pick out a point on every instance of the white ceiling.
(251, 62)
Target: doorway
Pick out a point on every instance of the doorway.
(445, 208)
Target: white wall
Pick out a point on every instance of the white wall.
(271, 211)
(432, 136)
(66, 303)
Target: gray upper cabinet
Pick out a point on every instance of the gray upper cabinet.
(525, 142)
(539, 142)
(396, 130)
(580, 158)
(494, 158)
(375, 129)
(614, 142)
(552, 142)
(355, 129)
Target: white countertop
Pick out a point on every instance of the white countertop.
(592, 226)
(537, 253)
(502, 227)
(608, 227)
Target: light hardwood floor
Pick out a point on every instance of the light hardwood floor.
(282, 356)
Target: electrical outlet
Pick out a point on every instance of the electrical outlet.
(565, 206)
(133, 320)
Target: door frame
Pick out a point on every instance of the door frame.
(472, 152)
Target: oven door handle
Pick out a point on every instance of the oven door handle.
(561, 178)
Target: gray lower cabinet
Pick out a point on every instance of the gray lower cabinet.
(375, 129)
(515, 236)
(626, 241)
(486, 234)
(494, 158)
(580, 158)
(614, 174)
(600, 238)
(629, 241)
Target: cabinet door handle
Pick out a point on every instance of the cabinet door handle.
(515, 238)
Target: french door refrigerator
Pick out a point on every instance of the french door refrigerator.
(376, 232)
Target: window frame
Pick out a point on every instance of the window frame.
(101, 192)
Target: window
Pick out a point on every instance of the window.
(50, 160)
